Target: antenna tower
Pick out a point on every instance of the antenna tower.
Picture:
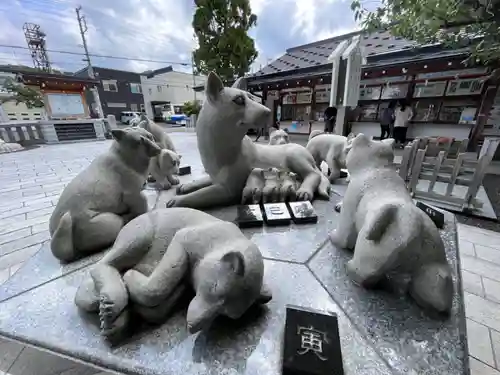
(35, 38)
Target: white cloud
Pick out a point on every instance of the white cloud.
(306, 20)
(159, 29)
(258, 6)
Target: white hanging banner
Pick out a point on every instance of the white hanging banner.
(353, 74)
(334, 58)
(347, 62)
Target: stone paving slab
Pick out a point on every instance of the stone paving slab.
(40, 269)
(250, 346)
(400, 331)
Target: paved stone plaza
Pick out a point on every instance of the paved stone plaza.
(31, 181)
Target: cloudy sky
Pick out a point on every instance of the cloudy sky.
(158, 30)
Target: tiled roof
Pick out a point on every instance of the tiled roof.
(388, 61)
(317, 53)
(152, 73)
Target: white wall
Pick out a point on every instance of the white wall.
(176, 88)
(19, 112)
(10, 111)
(457, 131)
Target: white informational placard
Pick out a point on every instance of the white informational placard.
(273, 94)
(65, 105)
(290, 98)
(334, 58)
(370, 93)
(304, 97)
(468, 115)
(452, 73)
(322, 93)
(429, 89)
(322, 96)
(395, 91)
(464, 87)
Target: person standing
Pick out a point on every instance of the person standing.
(276, 124)
(402, 117)
(330, 117)
(387, 120)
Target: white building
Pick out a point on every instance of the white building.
(9, 110)
(166, 86)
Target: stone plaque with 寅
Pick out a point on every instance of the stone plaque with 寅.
(311, 343)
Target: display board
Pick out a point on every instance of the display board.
(425, 110)
(323, 96)
(429, 89)
(465, 87)
(65, 105)
(297, 97)
(322, 93)
(370, 93)
(394, 91)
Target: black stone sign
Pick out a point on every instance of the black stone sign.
(303, 212)
(249, 216)
(312, 343)
(184, 170)
(343, 173)
(436, 216)
(276, 214)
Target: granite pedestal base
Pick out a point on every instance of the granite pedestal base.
(381, 331)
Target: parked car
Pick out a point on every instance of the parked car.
(126, 116)
(173, 114)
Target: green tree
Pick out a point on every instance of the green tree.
(23, 94)
(455, 23)
(191, 108)
(221, 28)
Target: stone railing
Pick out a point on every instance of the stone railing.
(24, 134)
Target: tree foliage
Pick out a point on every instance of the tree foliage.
(455, 23)
(221, 28)
(23, 94)
(191, 108)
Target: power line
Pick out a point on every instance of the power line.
(26, 60)
(104, 56)
(56, 16)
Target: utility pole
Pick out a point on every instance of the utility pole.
(82, 23)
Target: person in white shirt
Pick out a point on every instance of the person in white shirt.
(402, 117)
